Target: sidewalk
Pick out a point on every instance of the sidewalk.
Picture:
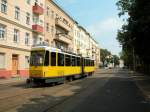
(143, 82)
(18, 79)
(12, 80)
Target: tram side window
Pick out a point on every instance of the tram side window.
(53, 59)
(78, 61)
(67, 60)
(73, 61)
(46, 62)
(60, 59)
(93, 63)
(84, 62)
(88, 62)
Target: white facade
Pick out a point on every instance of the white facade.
(81, 41)
(85, 45)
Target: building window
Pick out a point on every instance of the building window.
(47, 27)
(41, 22)
(4, 6)
(47, 12)
(2, 60)
(2, 31)
(16, 35)
(28, 2)
(27, 39)
(35, 40)
(52, 30)
(27, 18)
(35, 20)
(17, 13)
(52, 14)
(36, 2)
(27, 59)
(57, 16)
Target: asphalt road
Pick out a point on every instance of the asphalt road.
(106, 91)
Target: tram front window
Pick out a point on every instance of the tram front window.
(37, 58)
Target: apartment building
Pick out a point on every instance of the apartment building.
(95, 51)
(81, 41)
(58, 27)
(21, 25)
(85, 45)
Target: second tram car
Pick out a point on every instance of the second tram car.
(53, 65)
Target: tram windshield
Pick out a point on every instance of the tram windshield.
(37, 58)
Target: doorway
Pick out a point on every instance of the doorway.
(15, 63)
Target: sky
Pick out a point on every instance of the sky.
(99, 17)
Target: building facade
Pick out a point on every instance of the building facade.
(21, 25)
(85, 45)
(95, 51)
(25, 23)
(58, 27)
(81, 41)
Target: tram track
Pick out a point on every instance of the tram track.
(17, 101)
(27, 95)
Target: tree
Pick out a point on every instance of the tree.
(103, 55)
(134, 36)
(116, 60)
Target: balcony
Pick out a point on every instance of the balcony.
(37, 28)
(61, 24)
(64, 39)
(38, 9)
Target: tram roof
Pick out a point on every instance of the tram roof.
(52, 49)
(46, 48)
(88, 58)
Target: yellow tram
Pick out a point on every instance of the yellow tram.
(53, 65)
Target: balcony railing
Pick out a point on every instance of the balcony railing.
(37, 28)
(63, 38)
(63, 25)
(38, 9)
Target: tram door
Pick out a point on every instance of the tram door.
(14, 64)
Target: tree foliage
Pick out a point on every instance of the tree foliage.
(116, 60)
(104, 53)
(134, 36)
(107, 58)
